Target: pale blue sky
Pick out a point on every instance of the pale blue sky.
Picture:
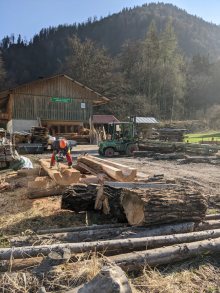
(27, 17)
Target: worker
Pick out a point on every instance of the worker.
(61, 146)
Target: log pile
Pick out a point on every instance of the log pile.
(171, 134)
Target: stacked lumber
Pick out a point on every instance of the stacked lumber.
(39, 135)
(6, 153)
(110, 169)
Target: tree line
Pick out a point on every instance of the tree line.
(147, 76)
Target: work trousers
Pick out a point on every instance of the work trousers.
(68, 157)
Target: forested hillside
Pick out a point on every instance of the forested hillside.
(150, 60)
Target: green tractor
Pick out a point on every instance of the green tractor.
(121, 140)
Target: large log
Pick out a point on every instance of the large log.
(64, 176)
(79, 197)
(105, 233)
(109, 246)
(117, 174)
(166, 255)
(155, 206)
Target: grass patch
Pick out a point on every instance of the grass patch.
(205, 136)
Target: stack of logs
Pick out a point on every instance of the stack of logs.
(6, 154)
(129, 247)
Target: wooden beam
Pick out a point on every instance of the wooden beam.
(63, 177)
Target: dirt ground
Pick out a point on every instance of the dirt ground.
(20, 215)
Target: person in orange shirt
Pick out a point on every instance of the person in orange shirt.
(61, 146)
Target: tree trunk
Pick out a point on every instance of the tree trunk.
(109, 246)
(80, 197)
(155, 206)
(105, 233)
(166, 255)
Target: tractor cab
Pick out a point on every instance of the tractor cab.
(121, 140)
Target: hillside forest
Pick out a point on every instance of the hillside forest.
(155, 60)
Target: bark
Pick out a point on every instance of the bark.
(82, 228)
(105, 233)
(166, 255)
(109, 246)
(155, 206)
(79, 197)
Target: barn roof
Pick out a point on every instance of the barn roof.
(104, 119)
(97, 100)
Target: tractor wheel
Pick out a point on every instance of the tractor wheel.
(109, 152)
(130, 149)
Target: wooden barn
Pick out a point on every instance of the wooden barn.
(59, 103)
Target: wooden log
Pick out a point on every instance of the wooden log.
(80, 228)
(111, 171)
(212, 217)
(105, 233)
(40, 193)
(79, 197)
(62, 177)
(138, 185)
(166, 255)
(155, 206)
(109, 246)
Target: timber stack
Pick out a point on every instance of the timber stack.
(39, 135)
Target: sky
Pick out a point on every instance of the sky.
(28, 17)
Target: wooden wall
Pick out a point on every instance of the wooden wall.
(34, 100)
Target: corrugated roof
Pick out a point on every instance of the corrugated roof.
(104, 119)
(146, 120)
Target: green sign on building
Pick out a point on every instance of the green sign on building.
(61, 100)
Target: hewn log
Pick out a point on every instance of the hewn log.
(127, 170)
(166, 255)
(106, 233)
(121, 174)
(62, 177)
(155, 206)
(109, 246)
